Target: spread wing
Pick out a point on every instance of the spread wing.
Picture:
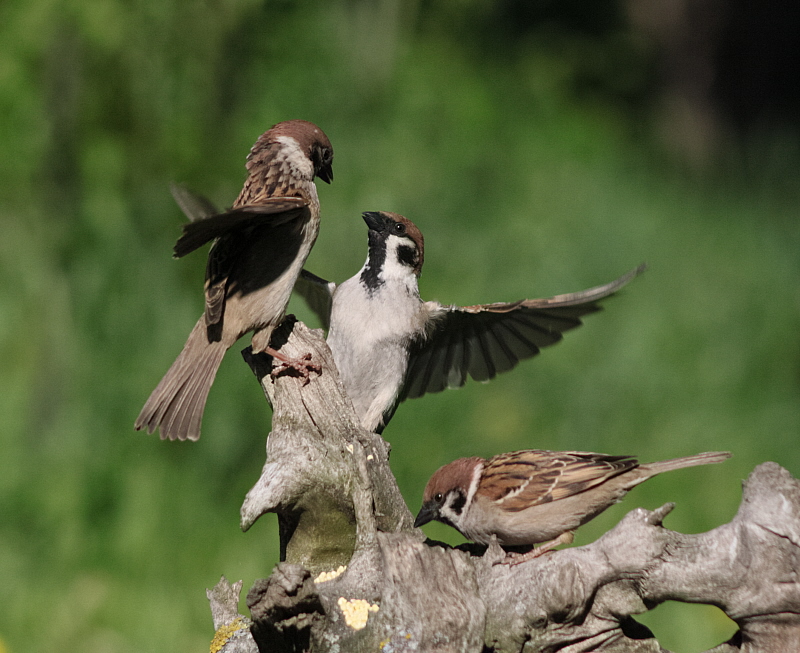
(206, 222)
(318, 294)
(483, 341)
(521, 479)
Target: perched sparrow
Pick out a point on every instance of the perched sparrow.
(389, 345)
(533, 496)
(260, 246)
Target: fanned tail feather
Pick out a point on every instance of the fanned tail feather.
(176, 405)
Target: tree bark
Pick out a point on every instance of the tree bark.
(356, 575)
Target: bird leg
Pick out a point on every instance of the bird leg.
(301, 367)
(518, 558)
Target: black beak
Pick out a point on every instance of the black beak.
(325, 173)
(426, 514)
(374, 220)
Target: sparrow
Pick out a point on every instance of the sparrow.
(389, 345)
(533, 496)
(260, 246)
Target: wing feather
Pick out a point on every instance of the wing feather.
(194, 205)
(521, 479)
(207, 222)
(483, 367)
(274, 210)
(318, 294)
(484, 340)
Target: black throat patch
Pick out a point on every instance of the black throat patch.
(370, 275)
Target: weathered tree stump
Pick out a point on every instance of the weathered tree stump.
(357, 576)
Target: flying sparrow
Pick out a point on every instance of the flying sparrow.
(532, 496)
(389, 345)
(259, 248)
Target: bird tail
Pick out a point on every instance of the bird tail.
(176, 405)
(708, 458)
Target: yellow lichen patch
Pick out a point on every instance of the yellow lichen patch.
(356, 611)
(224, 633)
(330, 575)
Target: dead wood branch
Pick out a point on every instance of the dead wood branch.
(358, 577)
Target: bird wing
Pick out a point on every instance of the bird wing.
(194, 205)
(318, 294)
(221, 259)
(207, 222)
(274, 210)
(521, 479)
(485, 340)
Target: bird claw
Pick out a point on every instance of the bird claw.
(298, 367)
(512, 558)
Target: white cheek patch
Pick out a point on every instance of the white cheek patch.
(295, 159)
(452, 512)
(393, 267)
(474, 482)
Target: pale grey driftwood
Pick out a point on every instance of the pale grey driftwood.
(339, 508)
(233, 629)
(317, 454)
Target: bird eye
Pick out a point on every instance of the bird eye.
(437, 497)
(399, 228)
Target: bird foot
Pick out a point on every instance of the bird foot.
(299, 367)
(512, 559)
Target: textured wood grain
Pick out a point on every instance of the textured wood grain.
(390, 590)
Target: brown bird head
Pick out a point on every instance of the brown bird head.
(284, 162)
(313, 142)
(449, 486)
(383, 224)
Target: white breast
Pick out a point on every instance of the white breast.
(369, 336)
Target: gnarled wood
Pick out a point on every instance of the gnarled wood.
(338, 505)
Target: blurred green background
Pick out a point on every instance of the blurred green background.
(541, 148)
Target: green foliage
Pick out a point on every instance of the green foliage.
(526, 181)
